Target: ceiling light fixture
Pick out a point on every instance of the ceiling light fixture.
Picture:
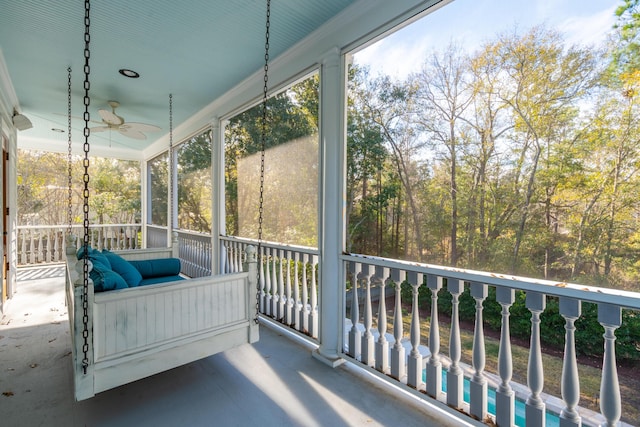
(21, 122)
(57, 130)
(129, 73)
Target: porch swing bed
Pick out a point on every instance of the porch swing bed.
(121, 331)
(135, 332)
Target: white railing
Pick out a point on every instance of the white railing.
(157, 236)
(288, 281)
(402, 356)
(194, 250)
(44, 244)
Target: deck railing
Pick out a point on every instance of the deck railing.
(44, 244)
(157, 236)
(402, 356)
(288, 281)
(194, 250)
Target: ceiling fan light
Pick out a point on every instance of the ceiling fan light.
(129, 73)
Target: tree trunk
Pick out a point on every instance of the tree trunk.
(525, 210)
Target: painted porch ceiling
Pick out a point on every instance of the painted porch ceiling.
(194, 49)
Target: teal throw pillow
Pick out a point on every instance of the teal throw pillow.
(105, 279)
(123, 268)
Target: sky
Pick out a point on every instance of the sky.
(471, 22)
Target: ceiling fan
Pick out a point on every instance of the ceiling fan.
(112, 121)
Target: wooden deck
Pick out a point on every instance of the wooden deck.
(274, 382)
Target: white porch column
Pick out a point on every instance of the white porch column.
(145, 198)
(331, 207)
(217, 187)
(172, 194)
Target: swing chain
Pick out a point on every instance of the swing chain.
(263, 144)
(85, 288)
(69, 156)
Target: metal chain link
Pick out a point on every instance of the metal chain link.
(263, 138)
(85, 193)
(69, 156)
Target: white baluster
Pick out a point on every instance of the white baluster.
(414, 365)
(570, 309)
(296, 292)
(32, 248)
(56, 247)
(368, 341)
(231, 256)
(454, 374)
(237, 257)
(355, 339)
(610, 317)
(41, 252)
(289, 308)
(398, 367)
(49, 248)
(478, 384)
(505, 397)
(275, 301)
(130, 237)
(313, 315)
(224, 257)
(304, 312)
(535, 407)
(382, 346)
(434, 365)
(281, 301)
(265, 281)
(100, 245)
(23, 248)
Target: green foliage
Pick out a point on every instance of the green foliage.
(626, 53)
(43, 189)
(291, 156)
(194, 183)
(491, 161)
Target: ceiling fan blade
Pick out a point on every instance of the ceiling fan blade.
(100, 129)
(110, 118)
(141, 127)
(132, 133)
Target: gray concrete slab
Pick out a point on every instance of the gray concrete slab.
(275, 382)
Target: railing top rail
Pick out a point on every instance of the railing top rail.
(283, 246)
(192, 233)
(164, 227)
(561, 289)
(65, 226)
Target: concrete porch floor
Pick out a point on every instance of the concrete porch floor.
(274, 382)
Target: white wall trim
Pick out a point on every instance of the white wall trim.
(9, 100)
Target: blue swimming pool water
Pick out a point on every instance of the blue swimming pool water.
(551, 419)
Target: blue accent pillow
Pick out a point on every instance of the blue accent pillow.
(149, 268)
(94, 255)
(105, 279)
(123, 268)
